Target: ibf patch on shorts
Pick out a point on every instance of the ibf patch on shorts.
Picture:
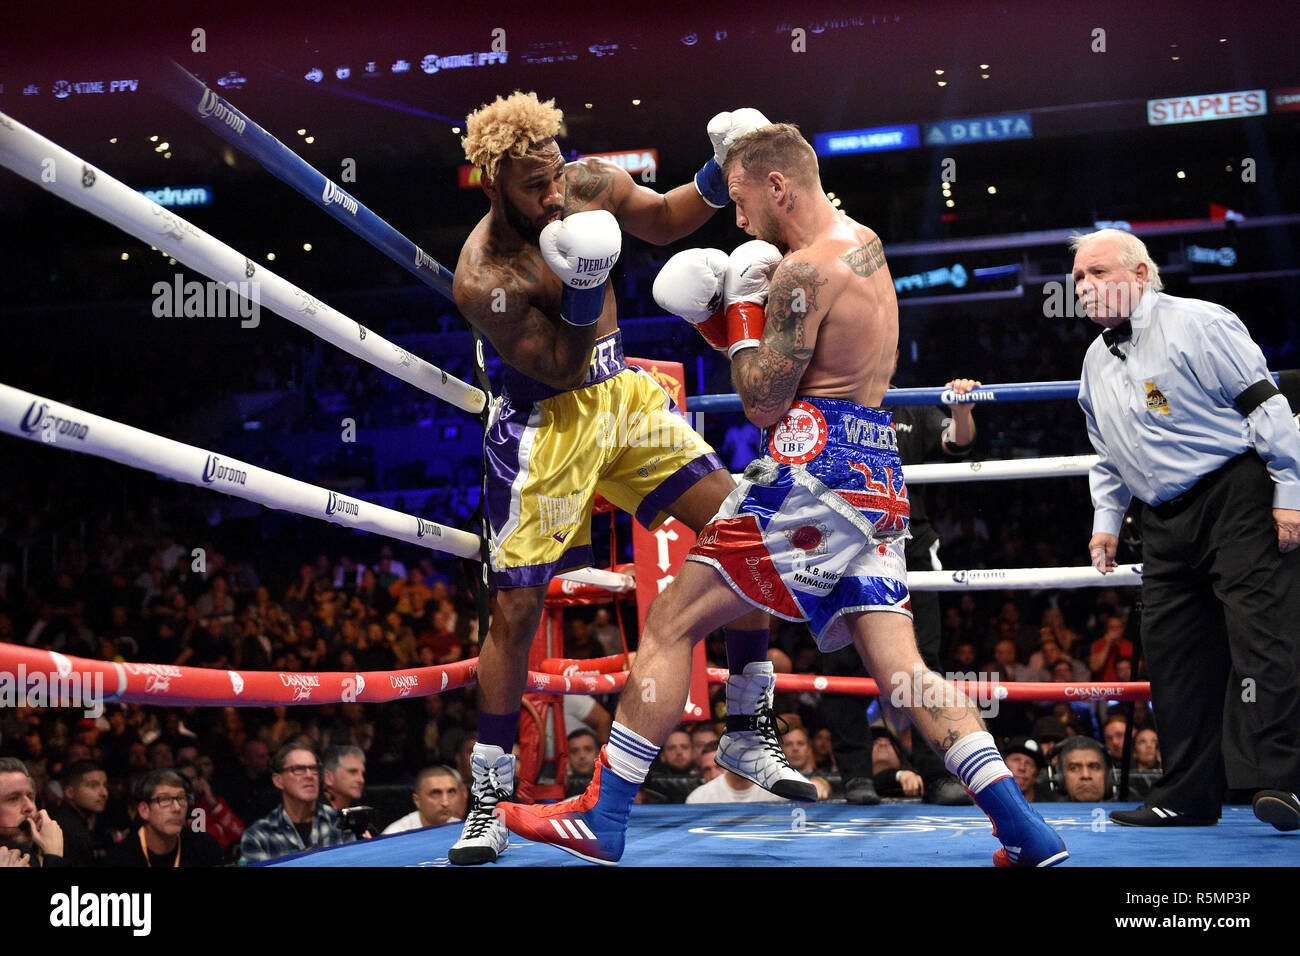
(800, 436)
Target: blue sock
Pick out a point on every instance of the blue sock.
(745, 647)
(498, 729)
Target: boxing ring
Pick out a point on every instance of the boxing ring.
(759, 834)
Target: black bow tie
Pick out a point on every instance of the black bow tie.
(1120, 333)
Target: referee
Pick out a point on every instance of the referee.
(1183, 416)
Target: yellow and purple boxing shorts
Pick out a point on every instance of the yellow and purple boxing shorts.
(547, 452)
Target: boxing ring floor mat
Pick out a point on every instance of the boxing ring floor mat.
(772, 835)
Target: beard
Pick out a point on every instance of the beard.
(530, 230)
(769, 230)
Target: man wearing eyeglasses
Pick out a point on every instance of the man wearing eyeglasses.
(165, 838)
(302, 821)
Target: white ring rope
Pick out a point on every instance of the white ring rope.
(995, 470)
(29, 416)
(999, 470)
(1024, 579)
(52, 167)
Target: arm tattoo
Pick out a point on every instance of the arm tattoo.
(865, 260)
(585, 184)
(768, 377)
(499, 304)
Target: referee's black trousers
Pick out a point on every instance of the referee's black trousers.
(1221, 634)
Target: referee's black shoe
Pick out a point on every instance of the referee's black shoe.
(1150, 816)
(1279, 808)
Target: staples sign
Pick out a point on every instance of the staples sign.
(1208, 106)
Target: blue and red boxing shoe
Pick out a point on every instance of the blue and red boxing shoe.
(1026, 838)
(591, 826)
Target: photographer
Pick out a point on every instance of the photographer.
(302, 821)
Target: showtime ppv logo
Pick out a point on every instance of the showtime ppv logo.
(301, 684)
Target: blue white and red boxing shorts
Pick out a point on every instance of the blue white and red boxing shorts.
(815, 529)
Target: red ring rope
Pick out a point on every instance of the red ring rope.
(173, 685)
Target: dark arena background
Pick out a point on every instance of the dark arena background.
(974, 137)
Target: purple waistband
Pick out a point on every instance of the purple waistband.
(606, 361)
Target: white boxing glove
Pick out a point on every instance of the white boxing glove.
(581, 250)
(691, 284)
(724, 129)
(749, 279)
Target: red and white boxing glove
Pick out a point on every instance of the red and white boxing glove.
(749, 279)
(691, 284)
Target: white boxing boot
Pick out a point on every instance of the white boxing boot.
(751, 747)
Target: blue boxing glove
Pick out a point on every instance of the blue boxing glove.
(581, 250)
(724, 130)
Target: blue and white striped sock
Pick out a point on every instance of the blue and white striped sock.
(975, 761)
(629, 754)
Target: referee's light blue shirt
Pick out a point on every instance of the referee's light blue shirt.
(1163, 419)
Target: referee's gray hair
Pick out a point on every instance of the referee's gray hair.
(1132, 252)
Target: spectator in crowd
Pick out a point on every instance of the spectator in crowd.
(85, 794)
(218, 819)
(823, 756)
(435, 794)
(727, 787)
(345, 776)
(1081, 770)
(702, 734)
(1005, 663)
(800, 756)
(250, 791)
(161, 756)
(302, 821)
(282, 730)
(582, 712)
(1049, 653)
(579, 643)
(1113, 734)
(1109, 648)
(463, 752)
(675, 757)
(708, 764)
(1146, 750)
(163, 838)
(606, 633)
(583, 748)
(1048, 732)
(893, 775)
(1025, 760)
(31, 832)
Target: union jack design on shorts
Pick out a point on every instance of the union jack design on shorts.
(813, 537)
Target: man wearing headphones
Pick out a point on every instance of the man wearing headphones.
(1081, 771)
